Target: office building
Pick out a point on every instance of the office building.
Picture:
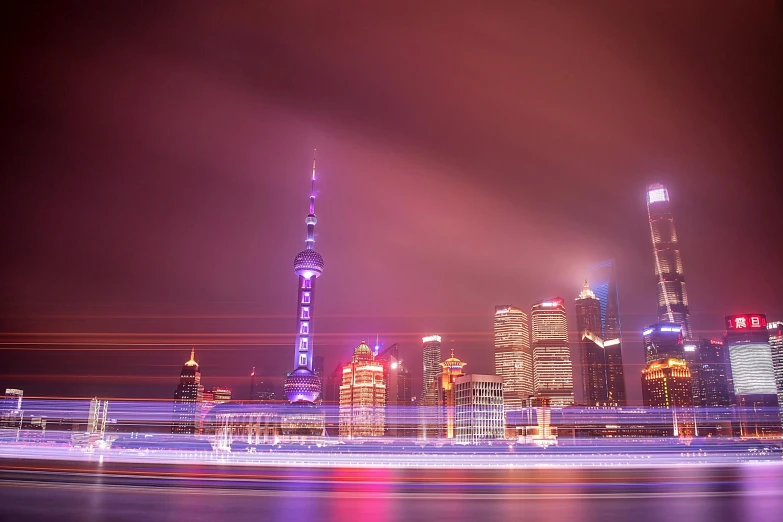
(708, 362)
(753, 375)
(663, 341)
(591, 347)
(552, 370)
(303, 385)
(362, 396)
(666, 383)
(513, 356)
(187, 398)
(451, 370)
(775, 330)
(672, 296)
(479, 408)
(431, 368)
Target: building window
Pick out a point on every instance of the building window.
(304, 329)
(303, 359)
(306, 298)
(308, 283)
(303, 344)
(305, 312)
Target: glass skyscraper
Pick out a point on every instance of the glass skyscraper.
(672, 296)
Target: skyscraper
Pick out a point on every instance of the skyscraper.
(753, 374)
(187, 398)
(513, 357)
(431, 362)
(666, 383)
(362, 396)
(672, 297)
(711, 385)
(775, 330)
(552, 371)
(591, 347)
(451, 369)
(603, 282)
(663, 341)
(302, 384)
(604, 285)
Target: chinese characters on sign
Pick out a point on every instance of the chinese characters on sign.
(739, 322)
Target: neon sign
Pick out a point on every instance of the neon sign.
(746, 322)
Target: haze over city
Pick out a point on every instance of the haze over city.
(159, 159)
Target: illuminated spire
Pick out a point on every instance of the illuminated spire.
(192, 361)
(310, 219)
(586, 293)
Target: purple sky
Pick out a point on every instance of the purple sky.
(157, 161)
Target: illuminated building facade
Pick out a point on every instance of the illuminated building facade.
(753, 375)
(604, 285)
(303, 385)
(672, 296)
(663, 341)
(591, 347)
(362, 396)
(552, 370)
(187, 398)
(431, 358)
(479, 408)
(451, 370)
(712, 389)
(666, 383)
(401, 419)
(776, 349)
(11, 409)
(513, 356)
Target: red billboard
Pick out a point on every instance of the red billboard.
(746, 322)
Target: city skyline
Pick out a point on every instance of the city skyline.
(167, 231)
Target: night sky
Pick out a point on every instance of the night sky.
(156, 162)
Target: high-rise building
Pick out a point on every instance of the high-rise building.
(479, 408)
(11, 413)
(187, 398)
(672, 297)
(666, 383)
(513, 356)
(753, 375)
(708, 362)
(552, 370)
(604, 285)
(451, 370)
(302, 385)
(591, 347)
(431, 363)
(663, 341)
(318, 369)
(775, 330)
(362, 396)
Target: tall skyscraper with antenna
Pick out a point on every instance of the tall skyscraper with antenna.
(672, 297)
(302, 385)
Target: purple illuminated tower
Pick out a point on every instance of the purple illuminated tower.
(302, 385)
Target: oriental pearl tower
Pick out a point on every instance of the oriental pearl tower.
(302, 385)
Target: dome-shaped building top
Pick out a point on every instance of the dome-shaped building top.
(362, 352)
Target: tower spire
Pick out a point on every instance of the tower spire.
(311, 220)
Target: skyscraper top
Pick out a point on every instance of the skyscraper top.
(657, 193)
(192, 361)
(586, 293)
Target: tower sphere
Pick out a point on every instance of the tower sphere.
(302, 385)
(308, 262)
